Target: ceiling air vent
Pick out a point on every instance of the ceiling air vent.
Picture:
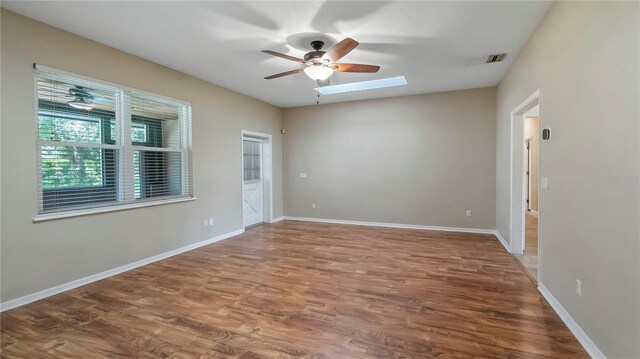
(496, 58)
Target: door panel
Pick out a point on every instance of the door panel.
(252, 196)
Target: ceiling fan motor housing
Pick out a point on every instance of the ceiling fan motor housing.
(316, 55)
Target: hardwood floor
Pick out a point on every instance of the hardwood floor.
(529, 258)
(304, 290)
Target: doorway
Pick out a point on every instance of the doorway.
(525, 175)
(256, 178)
(529, 257)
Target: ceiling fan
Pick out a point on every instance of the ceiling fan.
(322, 64)
(82, 98)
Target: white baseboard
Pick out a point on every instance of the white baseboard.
(573, 326)
(277, 219)
(10, 304)
(393, 225)
(506, 245)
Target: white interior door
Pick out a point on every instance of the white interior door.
(252, 181)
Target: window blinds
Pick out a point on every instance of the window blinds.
(101, 145)
(252, 162)
(78, 155)
(157, 148)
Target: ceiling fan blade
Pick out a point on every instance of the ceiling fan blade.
(284, 56)
(340, 49)
(356, 68)
(283, 74)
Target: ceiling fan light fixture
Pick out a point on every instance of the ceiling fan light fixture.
(318, 72)
(80, 104)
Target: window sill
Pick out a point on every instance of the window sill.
(84, 212)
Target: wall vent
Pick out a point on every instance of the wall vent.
(496, 58)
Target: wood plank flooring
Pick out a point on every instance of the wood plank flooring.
(304, 290)
(529, 259)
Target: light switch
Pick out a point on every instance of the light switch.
(544, 182)
(303, 175)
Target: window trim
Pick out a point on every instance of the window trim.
(186, 150)
(110, 208)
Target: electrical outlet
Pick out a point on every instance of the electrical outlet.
(211, 221)
(544, 182)
(313, 205)
(206, 223)
(303, 175)
(579, 287)
(468, 213)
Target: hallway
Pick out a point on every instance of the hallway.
(530, 257)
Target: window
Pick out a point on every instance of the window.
(100, 145)
(251, 156)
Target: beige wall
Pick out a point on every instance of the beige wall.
(422, 160)
(584, 57)
(532, 132)
(36, 256)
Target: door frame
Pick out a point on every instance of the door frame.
(267, 173)
(528, 142)
(518, 179)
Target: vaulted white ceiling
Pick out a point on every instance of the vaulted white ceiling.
(437, 46)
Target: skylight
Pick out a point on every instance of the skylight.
(363, 85)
